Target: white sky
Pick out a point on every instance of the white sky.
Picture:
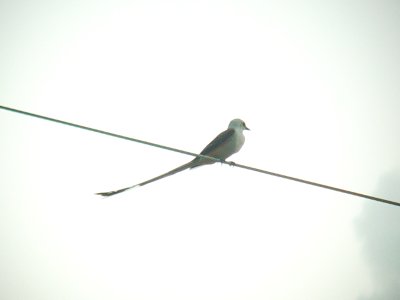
(317, 83)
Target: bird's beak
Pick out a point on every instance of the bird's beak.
(245, 127)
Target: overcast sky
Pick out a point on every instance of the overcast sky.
(318, 84)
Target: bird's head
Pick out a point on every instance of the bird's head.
(238, 124)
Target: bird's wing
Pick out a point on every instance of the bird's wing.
(212, 148)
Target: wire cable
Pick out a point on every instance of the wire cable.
(324, 186)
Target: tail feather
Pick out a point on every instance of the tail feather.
(188, 165)
(107, 194)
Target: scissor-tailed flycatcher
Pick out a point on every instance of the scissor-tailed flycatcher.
(224, 145)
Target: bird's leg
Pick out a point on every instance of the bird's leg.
(230, 163)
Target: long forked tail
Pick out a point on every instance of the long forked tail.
(188, 165)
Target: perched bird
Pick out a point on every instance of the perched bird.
(224, 145)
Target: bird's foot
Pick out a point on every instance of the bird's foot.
(231, 163)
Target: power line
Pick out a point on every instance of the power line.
(204, 156)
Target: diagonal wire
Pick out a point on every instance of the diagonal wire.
(205, 156)
(107, 133)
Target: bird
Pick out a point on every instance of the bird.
(223, 146)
